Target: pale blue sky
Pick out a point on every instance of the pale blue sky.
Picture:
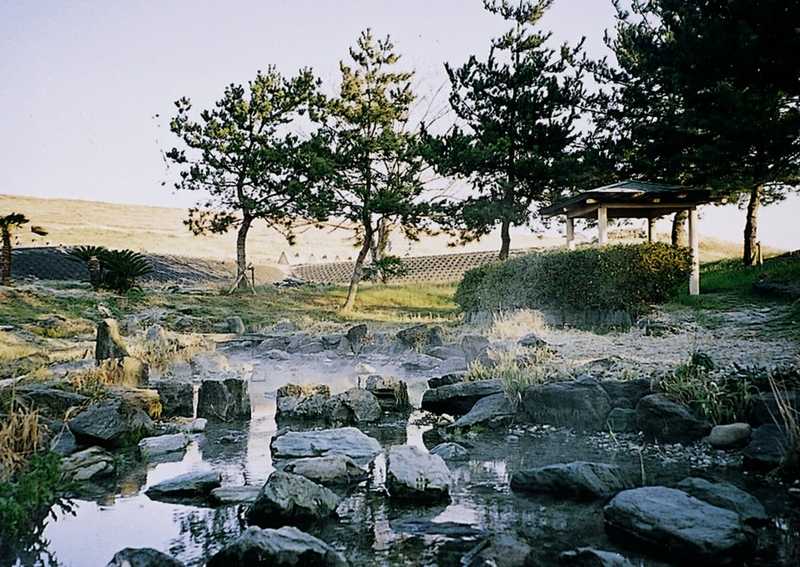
(81, 82)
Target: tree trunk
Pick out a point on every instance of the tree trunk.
(380, 243)
(505, 239)
(241, 251)
(358, 271)
(679, 228)
(5, 258)
(751, 226)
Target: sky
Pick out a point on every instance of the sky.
(87, 88)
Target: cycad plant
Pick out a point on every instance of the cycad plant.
(116, 270)
(7, 225)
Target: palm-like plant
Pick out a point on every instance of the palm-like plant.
(7, 225)
(117, 270)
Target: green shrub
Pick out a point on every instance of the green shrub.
(119, 269)
(626, 277)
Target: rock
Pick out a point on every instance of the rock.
(766, 449)
(590, 557)
(415, 362)
(51, 401)
(352, 407)
(532, 340)
(142, 557)
(726, 495)
(581, 404)
(445, 352)
(475, 347)
(622, 420)
(177, 398)
(459, 398)
(764, 408)
(88, 464)
(273, 343)
(447, 379)
(672, 520)
(391, 393)
(330, 470)
(331, 342)
(665, 421)
(356, 336)
(187, 425)
(290, 499)
(285, 327)
(152, 447)
(228, 495)
(451, 452)
(304, 344)
(277, 354)
(142, 398)
(191, 484)
(492, 411)
(111, 423)
(347, 441)
(627, 393)
(224, 399)
(109, 343)
(286, 546)
(729, 436)
(63, 441)
(502, 550)
(307, 401)
(578, 479)
(413, 474)
(235, 325)
(420, 337)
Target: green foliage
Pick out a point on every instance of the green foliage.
(386, 268)
(119, 269)
(626, 277)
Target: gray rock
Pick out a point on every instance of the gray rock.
(415, 362)
(330, 470)
(224, 399)
(667, 422)
(49, 400)
(391, 393)
(451, 452)
(347, 441)
(230, 495)
(581, 404)
(290, 499)
(766, 449)
(304, 344)
(502, 550)
(445, 352)
(63, 441)
(447, 379)
(152, 447)
(492, 411)
(109, 343)
(590, 557)
(285, 327)
(413, 474)
(88, 464)
(764, 408)
(273, 343)
(177, 398)
(286, 546)
(191, 484)
(331, 342)
(672, 520)
(353, 407)
(420, 337)
(627, 393)
(356, 336)
(307, 401)
(622, 420)
(729, 436)
(235, 325)
(726, 495)
(111, 423)
(578, 479)
(532, 340)
(475, 347)
(459, 398)
(142, 557)
(277, 354)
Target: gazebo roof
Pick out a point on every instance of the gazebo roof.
(630, 199)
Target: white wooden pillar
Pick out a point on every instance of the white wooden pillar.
(570, 234)
(694, 242)
(651, 230)
(602, 226)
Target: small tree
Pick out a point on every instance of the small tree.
(241, 155)
(8, 224)
(372, 167)
(516, 129)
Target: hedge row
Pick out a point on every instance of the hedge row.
(621, 277)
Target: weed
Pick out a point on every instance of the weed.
(20, 437)
(789, 419)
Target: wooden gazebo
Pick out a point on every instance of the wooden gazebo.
(634, 199)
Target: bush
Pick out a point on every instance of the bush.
(626, 277)
(118, 270)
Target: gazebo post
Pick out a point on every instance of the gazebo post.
(570, 233)
(651, 229)
(694, 242)
(602, 225)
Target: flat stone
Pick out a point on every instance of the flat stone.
(284, 547)
(142, 557)
(413, 474)
(580, 404)
(578, 479)
(88, 464)
(347, 441)
(230, 495)
(290, 499)
(191, 484)
(329, 470)
(728, 496)
(492, 411)
(665, 421)
(451, 452)
(151, 447)
(459, 398)
(729, 436)
(447, 379)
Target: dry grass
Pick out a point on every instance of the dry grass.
(94, 382)
(789, 419)
(20, 437)
(169, 349)
(511, 325)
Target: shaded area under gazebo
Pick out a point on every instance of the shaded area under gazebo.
(634, 199)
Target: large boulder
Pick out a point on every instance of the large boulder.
(284, 547)
(578, 479)
(391, 393)
(728, 496)
(413, 474)
(729, 436)
(89, 464)
(177, 397)
(224, 400)
(665, 421)
(420, 337)
(347, 441)
(49, 400)
(766, 449)
(670, 519)
(291, 499)
(191, 484)
(115, 422)
(581, 404)
(627, 393)
(492, 411)
(154, 447)
(353, 407)
(142, 557)
(303, 402)
(446, 380)
(329, 470)
(109, 343)
(459, 398)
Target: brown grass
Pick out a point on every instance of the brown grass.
(789, 418)
(20, 437)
